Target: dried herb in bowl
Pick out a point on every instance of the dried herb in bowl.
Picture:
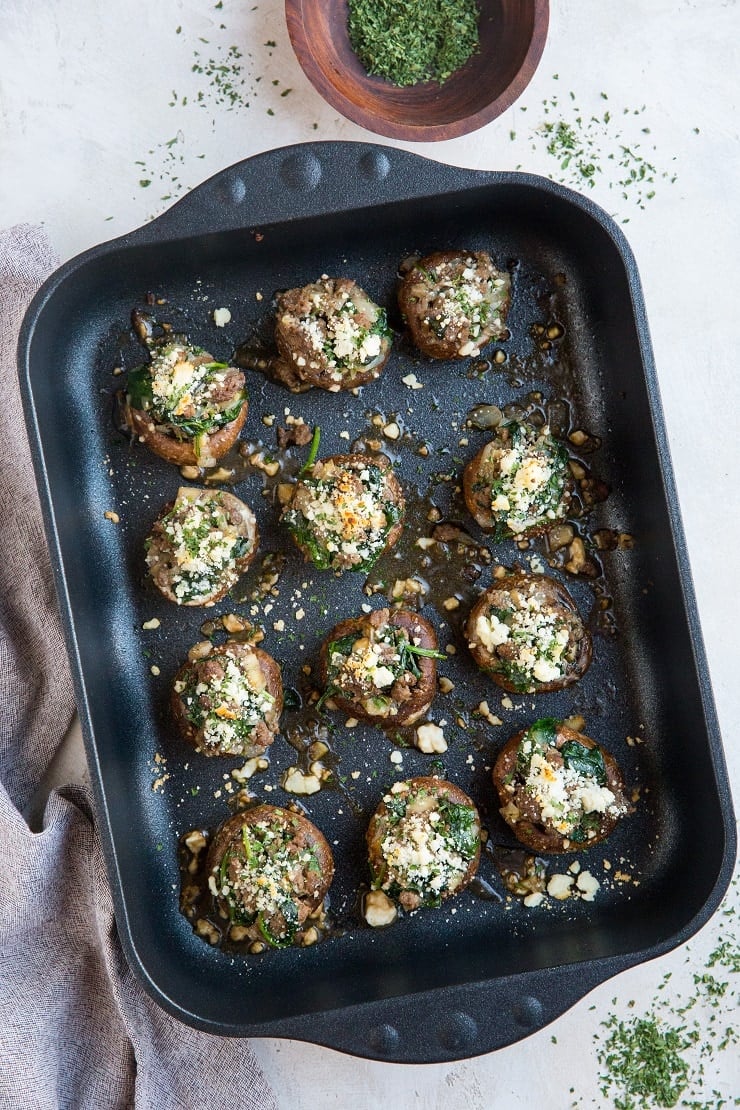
(411, 41)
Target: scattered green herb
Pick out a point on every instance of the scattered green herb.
(407, 42)
(645, 1062)
(593, 148)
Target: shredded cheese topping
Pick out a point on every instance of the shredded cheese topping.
(340, 513)
(417, 855)
(204, 543)
(528, 474)
(428, 843)
(467, 299)
(228, 706)
(535, 636)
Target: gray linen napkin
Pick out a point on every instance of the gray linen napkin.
(76, 1028)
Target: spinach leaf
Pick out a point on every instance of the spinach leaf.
(292, 700)
(586, 761)
(541, 736)
(312, 451)
(304, 537)
(289, 911)
(543, 732)
(460, 828)
(139, 388)
(343, 646)
(242, 547)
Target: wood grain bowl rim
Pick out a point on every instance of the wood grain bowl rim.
(372, 118)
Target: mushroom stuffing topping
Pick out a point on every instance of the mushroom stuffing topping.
(559, 790)
(229, 703)
(268, 870)
(519, 483)
(331, 335)
(423, 842)
(346, 511)
(454, 303)
(525, 632)
(184, 405)
(200, 546)
(381, 667)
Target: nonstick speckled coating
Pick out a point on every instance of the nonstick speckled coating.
(481, 973)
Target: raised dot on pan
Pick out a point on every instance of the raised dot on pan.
(384, 1039)
(459, 1031)
(231, 191)
(527, 1011)
(375, 164)
(301, 171)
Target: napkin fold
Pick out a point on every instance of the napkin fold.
(77, 1030)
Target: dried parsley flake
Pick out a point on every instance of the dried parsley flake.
(644, 1062)
(408, 42)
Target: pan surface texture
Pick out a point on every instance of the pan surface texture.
(482, 970)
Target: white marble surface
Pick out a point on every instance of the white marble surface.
(86, 91)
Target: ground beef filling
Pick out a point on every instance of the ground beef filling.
(529, 641)
(228, 703)
(196, 546)
(270, 877)
(526, 473)
(342, 515)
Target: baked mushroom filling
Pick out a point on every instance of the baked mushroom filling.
(427, 846)
(466, 299)
(377, 669)
(528, 472)
(204, 543)
(529, 641)
(267, 879)
(347, 332)
(342, 516)
(186, 391)
(566, 782)
(226, 702)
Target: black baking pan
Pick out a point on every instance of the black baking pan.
(478, 973)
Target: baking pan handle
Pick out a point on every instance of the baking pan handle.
(305, 180)
(469, 1020)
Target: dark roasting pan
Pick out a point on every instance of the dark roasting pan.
(477, 974)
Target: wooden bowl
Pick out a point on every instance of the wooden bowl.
(512, 38)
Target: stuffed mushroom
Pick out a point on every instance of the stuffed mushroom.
(559, 790)
(201, 545)
(423, 842)
(519, 484)
(229, 702)
(268, 870)
(526, 634)
(381, 667)
(331, 335)
(454, 303)
(345, 511)
(184, 405)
